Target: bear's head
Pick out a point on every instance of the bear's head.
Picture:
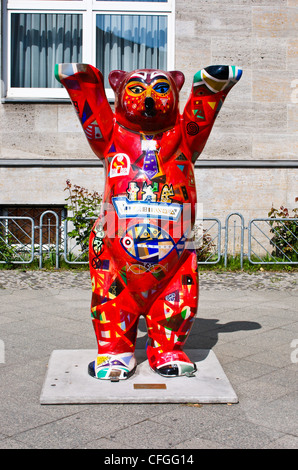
(146, 100)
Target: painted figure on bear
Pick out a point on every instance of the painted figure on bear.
(141, 261)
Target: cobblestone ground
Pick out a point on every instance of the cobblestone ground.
(64, 279)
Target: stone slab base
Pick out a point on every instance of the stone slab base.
(67, 382)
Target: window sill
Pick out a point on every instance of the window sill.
(78, 163)
(18, 100)
(35, 100)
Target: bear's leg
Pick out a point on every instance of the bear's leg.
(114, 313)
(115, 322)
(170, 319)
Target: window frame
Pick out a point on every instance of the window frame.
(89, 9)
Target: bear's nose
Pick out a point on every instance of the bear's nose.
(149, 103)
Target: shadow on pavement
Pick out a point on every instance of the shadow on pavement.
(204, 333)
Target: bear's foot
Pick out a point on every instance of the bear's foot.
(113, 367)
(171, 364)
(177, 369)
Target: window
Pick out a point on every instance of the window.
(129, 42)
(38, 40)
(117, 34)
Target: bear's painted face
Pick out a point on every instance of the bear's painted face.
(146, 100)
(147, 95)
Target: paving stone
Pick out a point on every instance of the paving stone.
(37, 316)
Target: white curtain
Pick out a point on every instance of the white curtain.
(38, 42)
(129, 42)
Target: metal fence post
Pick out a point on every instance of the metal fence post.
(57, 237)
(227, 237)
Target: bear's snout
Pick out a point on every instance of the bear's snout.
(149, 106)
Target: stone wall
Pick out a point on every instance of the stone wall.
(257, 122)
(42, 131)
(259, 118)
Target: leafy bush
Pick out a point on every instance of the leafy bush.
(7, 253)
(204, 245)
(84, 207)
(285, 232)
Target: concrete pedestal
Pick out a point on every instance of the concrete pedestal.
(67, 382)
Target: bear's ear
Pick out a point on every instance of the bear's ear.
(116, 77)
(178, 78)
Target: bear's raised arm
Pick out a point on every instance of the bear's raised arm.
(210, 88)
(85, 86)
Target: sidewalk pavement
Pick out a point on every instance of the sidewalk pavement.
(249, 321)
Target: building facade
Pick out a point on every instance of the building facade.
(250, 160)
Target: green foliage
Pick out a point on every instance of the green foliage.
(205, 251)
(83, 207)
(7, 252)
(259, 264)
(285, 233)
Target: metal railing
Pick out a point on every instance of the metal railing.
(208, 244)
(41, 244)
(279, 242)
(227, 237)
(73, 252)
(16, 240)
(268, 241)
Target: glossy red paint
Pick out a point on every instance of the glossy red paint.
(141, 258)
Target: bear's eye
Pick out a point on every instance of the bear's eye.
(136, 89)
(161, 87)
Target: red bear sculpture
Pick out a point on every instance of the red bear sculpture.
(141, 261)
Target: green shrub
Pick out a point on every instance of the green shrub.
(285, 233)
(84, 207)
